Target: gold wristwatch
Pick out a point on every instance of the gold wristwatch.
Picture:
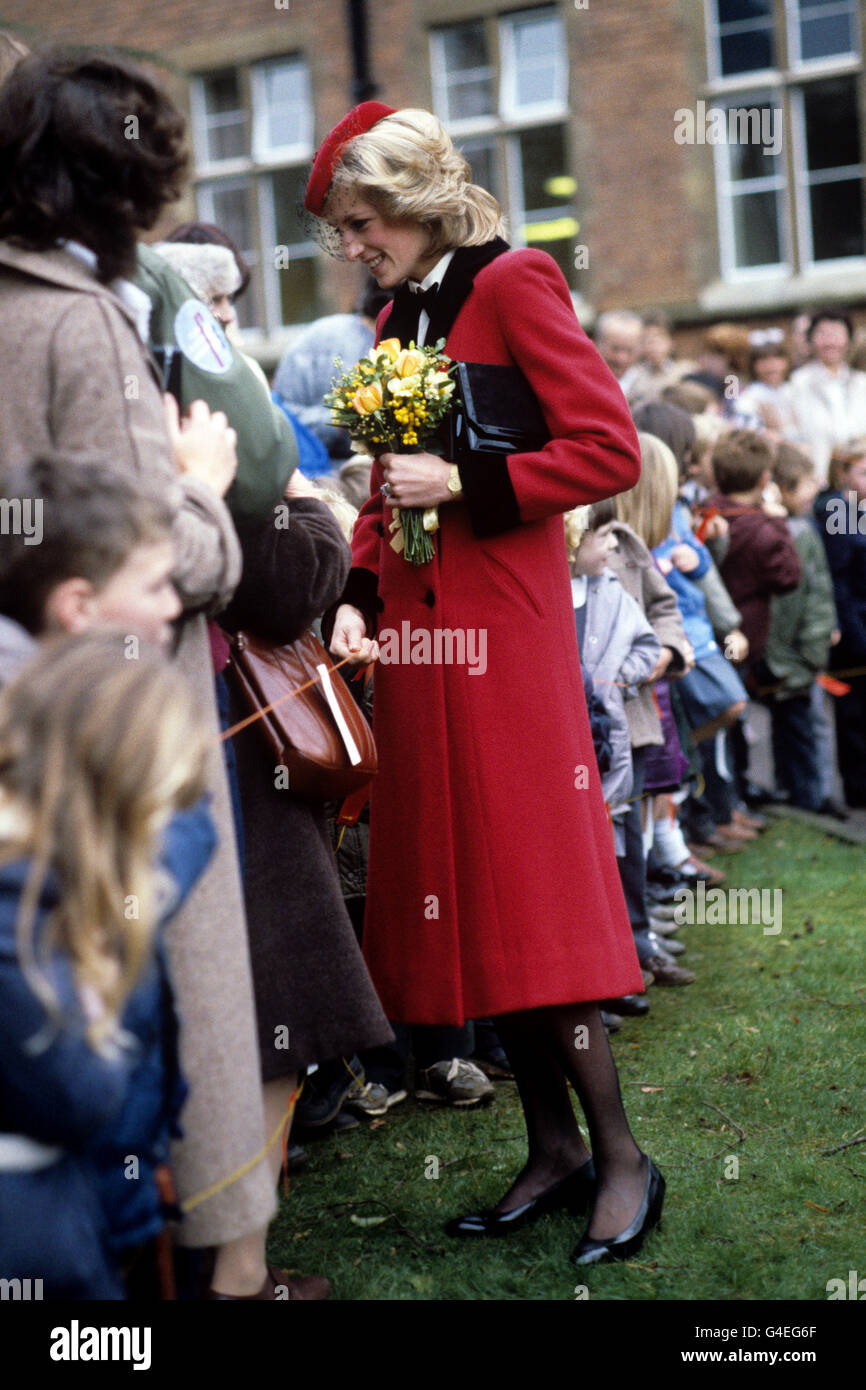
(455, 487)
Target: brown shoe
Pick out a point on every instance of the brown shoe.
(724, 843)
(750, 819)
(670, 974)
(696, 848)
(277, 1287)
(734, 831)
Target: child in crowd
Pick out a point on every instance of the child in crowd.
(802, 630)
(104, 559)
(619, 649)
(842, 520)
(760, 559)
(98, 756)
(621, 653)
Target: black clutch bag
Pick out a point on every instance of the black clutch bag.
(495, 411)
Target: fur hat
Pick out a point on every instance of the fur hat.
(209, 270)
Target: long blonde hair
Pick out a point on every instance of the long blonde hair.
(407, 167)
(99, 744)
(648, 507)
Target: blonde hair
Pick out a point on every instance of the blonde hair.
(648, 506)
(96, 752)
(408, 169)
(709, 430)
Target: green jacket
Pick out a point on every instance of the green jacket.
(199, 363)
(798, 646)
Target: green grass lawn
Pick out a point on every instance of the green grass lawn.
(762, 1061)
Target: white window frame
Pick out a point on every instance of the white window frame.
(802, 184)
(199, 119)
(714, 51)
(296, 152)
(439, 78)
(541, 112)
(254, 173)
(725, 195)
(793, 15)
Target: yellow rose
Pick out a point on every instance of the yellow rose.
(368, 399)
(408, 362)
(389, 347)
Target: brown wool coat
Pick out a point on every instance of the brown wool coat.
(75, 378)
(635, 569)
(308, 972)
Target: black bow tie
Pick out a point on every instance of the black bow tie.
(424, 299)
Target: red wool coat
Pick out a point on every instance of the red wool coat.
(493, 884)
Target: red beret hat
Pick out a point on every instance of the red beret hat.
(360, 119)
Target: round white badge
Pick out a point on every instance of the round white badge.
(201, 339)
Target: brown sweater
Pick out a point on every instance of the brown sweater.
(761, 561)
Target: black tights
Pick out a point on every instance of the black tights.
(547, 1049)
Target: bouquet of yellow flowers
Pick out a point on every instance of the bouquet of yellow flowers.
(392, 401)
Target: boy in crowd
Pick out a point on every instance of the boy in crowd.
(760, 559)
(105, 558)
(802, 630)
(843, 531)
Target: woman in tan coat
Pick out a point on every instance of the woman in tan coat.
(75, 379)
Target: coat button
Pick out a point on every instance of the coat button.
(430, 598)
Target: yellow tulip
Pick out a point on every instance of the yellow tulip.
(368, 399)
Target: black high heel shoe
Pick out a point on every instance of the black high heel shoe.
(629, 1241)
(573, 1193)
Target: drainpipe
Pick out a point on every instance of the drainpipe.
(363, 86)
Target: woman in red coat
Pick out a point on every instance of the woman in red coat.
(493, 887)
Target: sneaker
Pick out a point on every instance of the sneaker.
(372, 1099)
(457, 1082)
(324, 1093)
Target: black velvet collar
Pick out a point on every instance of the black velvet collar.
(402, 322)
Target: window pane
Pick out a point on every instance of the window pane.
(752, 130)
(299, 302)
(745, 35)
(288, 186)
(465, 47)
(756, 229)
(547, 189)
(481, 155)
(832, 128)
(751, 51)
(232, 212)
(226, 129)
(468, 74)
(837, 219)
(542, 154)
(286, 98)
(298, 281)
(735, 11)
(827, 36)
(538, 55)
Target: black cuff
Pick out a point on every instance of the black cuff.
(361, 590)
(488, 494)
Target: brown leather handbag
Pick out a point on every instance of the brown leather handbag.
(319, 735)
